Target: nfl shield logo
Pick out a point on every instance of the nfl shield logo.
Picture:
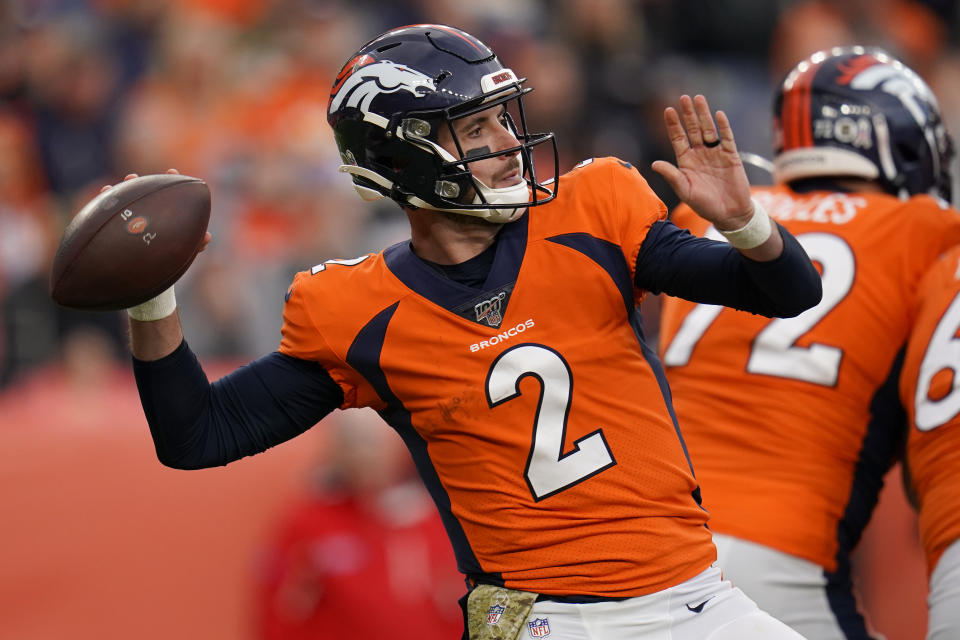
(539, 628)
(494, 613)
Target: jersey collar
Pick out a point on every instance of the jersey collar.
(454, 296)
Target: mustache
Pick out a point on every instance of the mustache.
(515, 165)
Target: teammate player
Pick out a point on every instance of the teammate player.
(930, 390)
(502, 343)
(792, 423)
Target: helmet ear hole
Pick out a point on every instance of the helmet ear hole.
(907, 152)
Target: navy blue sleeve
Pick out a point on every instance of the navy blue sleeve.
(196, 424)
(674, 261)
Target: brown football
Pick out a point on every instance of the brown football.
(130, 242)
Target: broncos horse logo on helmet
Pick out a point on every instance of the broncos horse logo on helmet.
(398, 91)
(858, 112)
(363, 84)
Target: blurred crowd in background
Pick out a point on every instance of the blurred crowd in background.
(235, 91)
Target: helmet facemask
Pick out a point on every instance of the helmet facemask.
(461, 190)
(454, 187)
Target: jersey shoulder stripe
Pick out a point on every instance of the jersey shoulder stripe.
(606, 199)
(327, 307)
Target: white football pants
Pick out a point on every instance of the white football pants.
(944, 598)
(706, 607)
(791, 589)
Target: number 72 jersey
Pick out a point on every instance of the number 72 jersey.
(791, 423)
(930, 389)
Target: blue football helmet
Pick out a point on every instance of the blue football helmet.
(859, 112)
(392, 98)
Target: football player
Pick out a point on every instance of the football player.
(502, 343)
(792, 423)
(930, 390)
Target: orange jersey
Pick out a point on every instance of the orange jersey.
(930, 390)
(532, 409)
(791, 423)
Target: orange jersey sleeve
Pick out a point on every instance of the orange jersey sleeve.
(930, 389)
(792, 422)
(319, 322)
(537, 418)
(618, 189)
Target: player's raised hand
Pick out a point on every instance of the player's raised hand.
(709, 175)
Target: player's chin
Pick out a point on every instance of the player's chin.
(470, 220)
(519, 211)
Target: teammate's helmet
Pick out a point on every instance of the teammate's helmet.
(858, 112)
(390, 101)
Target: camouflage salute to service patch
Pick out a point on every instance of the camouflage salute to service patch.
(497, 613)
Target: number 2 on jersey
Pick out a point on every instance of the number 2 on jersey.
(549, 470)
(774, 351)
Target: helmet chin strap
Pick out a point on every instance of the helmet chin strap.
(514, 194)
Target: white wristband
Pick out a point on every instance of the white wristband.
(155, 308)
(754, 233)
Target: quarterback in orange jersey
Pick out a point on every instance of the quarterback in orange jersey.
(930, 390)
(509, 364)
(502, 343)
(792, 423)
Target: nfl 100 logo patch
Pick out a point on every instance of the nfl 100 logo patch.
(539, 628)
(494, 613)
(490, 311)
